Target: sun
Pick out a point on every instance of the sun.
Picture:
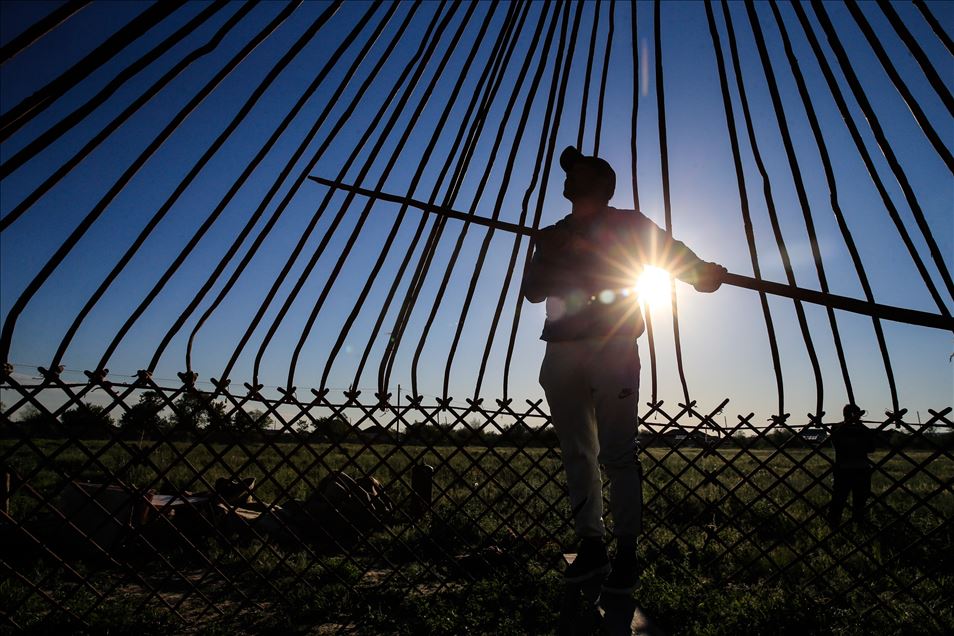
(653, 287)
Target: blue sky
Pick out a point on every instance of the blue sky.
(723, 334)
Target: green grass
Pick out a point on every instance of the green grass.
(743, 553)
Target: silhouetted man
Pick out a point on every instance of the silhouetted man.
(853, 442)
(585, 267)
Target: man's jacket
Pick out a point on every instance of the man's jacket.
(586, 270)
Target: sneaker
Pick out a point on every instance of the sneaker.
(592, 560)
(624, 577)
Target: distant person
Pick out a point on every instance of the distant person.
(853, 442)
(585, 266)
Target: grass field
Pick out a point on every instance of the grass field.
(734, 543)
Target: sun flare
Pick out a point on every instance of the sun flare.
(653, 287)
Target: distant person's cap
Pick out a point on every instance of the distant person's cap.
(852, 411)
(571, 156)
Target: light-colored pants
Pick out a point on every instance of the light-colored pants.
(592, 388)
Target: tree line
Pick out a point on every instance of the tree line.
(148, 418)
(194, 414)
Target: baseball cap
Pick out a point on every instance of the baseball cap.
(852, 411)
(571, 156)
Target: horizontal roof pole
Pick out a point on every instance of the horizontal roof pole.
(845, 303)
